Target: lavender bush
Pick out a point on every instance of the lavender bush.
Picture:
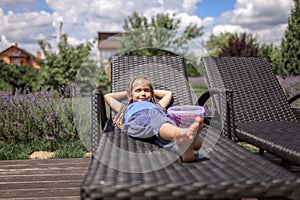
(42, 115)
(290, 84)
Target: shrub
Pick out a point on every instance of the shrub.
(43, 115)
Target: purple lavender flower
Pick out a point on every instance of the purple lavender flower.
(5, 97)
(31, 115)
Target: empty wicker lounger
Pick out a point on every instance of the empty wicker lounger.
(227, 171)
(262, 113)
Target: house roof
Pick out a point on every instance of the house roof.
(109, 40)
(18, 52)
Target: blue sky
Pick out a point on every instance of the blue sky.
(213, 7)
(26, 21)
(33, 6)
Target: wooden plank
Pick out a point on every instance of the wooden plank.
(43, 166)
(42, 179)
(45, 161)
(40, 184)
(41, 193)
(34, 171)
(26, 167)
(44, 198)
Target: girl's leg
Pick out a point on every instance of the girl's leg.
(197, 140)
(187, 139)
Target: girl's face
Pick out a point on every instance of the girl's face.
(141, 91)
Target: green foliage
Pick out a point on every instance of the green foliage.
(69, 64)
(161, 32)
(159, 36)
(216, 43)
(14, 77)
(249, 147)
(273, 54)
(11, 151)
(89, 77)
(61, 68)
(64, 149)
(291, 43)
(73, 149)
(192, 68)
(242, 45)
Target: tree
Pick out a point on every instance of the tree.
(61, 68)
(14, 77)
(240, 45)
(216, 43)
(290, 46)
(272, 53)
(160, 35)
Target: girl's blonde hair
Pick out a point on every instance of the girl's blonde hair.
(119, 118)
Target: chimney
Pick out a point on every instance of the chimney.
(16, 44)
(38, 54)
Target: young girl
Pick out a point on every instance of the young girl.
(144, 117)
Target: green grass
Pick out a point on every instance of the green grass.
(70, 150)
(66, 149)
(249, 147)
(198, 90)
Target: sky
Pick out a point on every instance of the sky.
(26, 21)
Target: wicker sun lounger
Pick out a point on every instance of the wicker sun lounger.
(262, 113)
(126, 168)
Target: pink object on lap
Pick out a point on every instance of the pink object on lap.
(184, 116)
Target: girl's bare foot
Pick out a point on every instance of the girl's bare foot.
(188, 140)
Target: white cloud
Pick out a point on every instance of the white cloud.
(188, 19)
(9, 3)
(4, 43)
(208, 21)
(257, 12)
(26, 27)
(83, 19)
(271, 35)
(71, 11)
(227, 28)
(267, 19)
(190, 6)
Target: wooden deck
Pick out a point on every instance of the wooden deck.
(59, 178)
(42, 179)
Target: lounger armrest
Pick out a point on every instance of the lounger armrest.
(295, 109)
(204, 97)
(99, 118)
(294, 98)
(226, 108)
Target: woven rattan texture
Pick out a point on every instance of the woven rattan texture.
(281, 138)
(257, 94)
(164, 72)
(227, 172)
(262, 114)
(96, 121)
(297, 113)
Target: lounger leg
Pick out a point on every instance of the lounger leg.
(261, 151)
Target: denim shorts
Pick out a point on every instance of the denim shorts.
(145, 124)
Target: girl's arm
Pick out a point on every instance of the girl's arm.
(114, 100)
(164, 96)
